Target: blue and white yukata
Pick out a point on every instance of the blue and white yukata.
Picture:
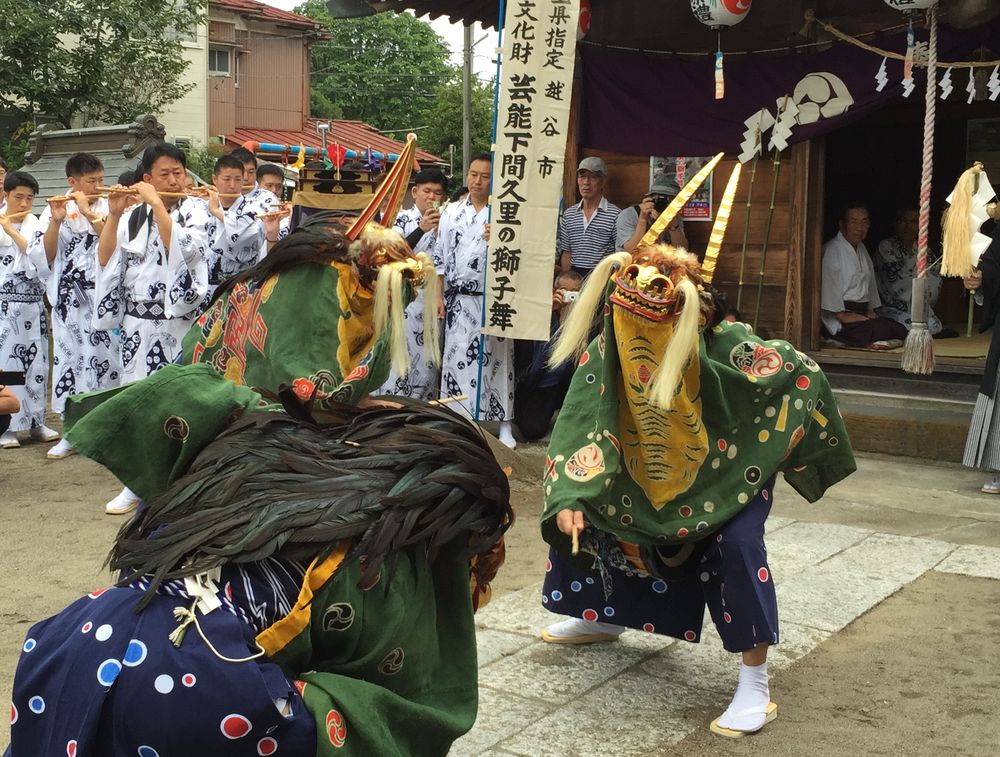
(423, 382)
(24, 327)
(895, 269)
(84, 359)
(237, 242)
(151, 293)
(486, 379)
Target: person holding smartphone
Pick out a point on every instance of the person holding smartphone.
(418, 225)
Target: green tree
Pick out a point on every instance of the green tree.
(382, 69)
(96, 60)
(443, 119)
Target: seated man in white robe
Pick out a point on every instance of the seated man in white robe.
(850, 296)
(153, 271)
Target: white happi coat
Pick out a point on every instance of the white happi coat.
(424, 378)
(24, 329)
(84, 359)
(151, 293)
(487, 378)
(848, 276)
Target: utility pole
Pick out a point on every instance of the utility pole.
(467, 100)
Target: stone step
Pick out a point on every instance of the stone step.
(895, 413)
(907, 425)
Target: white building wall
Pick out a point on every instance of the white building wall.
(188, 116)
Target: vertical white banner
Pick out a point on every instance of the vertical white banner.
(536, 85)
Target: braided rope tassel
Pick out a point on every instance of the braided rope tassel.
(918, 352)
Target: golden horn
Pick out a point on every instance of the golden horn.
(719, 228)
(671, 211)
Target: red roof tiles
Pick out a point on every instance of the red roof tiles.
(266, 12)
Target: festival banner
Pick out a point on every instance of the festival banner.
(675, 172)
(536, 84)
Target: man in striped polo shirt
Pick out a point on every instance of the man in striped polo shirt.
(587, 229)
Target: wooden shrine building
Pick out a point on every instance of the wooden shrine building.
(645, 88)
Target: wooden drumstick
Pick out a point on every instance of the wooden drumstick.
(576, 541)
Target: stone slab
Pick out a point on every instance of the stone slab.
(801, 545)
(517, 612)
(559, 673)
(705, 665)
(831, 594)
(492, 645)
(633, 714)
(981, 562)
(500, 715)
(775, 523)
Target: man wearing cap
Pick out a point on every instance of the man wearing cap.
(633, 222)
(587, 229)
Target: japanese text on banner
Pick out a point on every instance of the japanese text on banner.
(536, 83)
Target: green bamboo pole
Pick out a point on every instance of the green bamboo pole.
(767, 237)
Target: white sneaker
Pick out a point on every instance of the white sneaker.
(44, 434)
(123, 504)
(61, 450)
(580, 631)
(8, 440)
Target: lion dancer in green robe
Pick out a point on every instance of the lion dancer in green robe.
(302, 576)
(303, 573)
(661, 467)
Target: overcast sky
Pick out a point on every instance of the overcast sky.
(483, 60)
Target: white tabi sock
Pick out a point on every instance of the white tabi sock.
(749, 706)
(506, 435)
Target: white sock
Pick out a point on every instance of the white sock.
(579, 627)
(506, 435)
(749, 706)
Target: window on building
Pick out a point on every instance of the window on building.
(218, 61)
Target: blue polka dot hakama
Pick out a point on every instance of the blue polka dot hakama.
(732, 579)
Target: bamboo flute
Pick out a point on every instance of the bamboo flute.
(17, 216)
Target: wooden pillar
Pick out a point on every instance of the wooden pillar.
(797, 243)
(572, 138)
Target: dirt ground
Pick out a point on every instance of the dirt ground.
(916, 675)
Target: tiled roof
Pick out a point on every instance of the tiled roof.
(354, 135)
(266, 12)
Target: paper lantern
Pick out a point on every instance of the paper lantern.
(720, 14)
(910, 6)
(583, 27)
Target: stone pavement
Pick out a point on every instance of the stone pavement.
(535, 696)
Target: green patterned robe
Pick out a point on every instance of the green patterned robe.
(747, 409)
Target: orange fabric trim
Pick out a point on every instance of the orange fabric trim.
(272, 640)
